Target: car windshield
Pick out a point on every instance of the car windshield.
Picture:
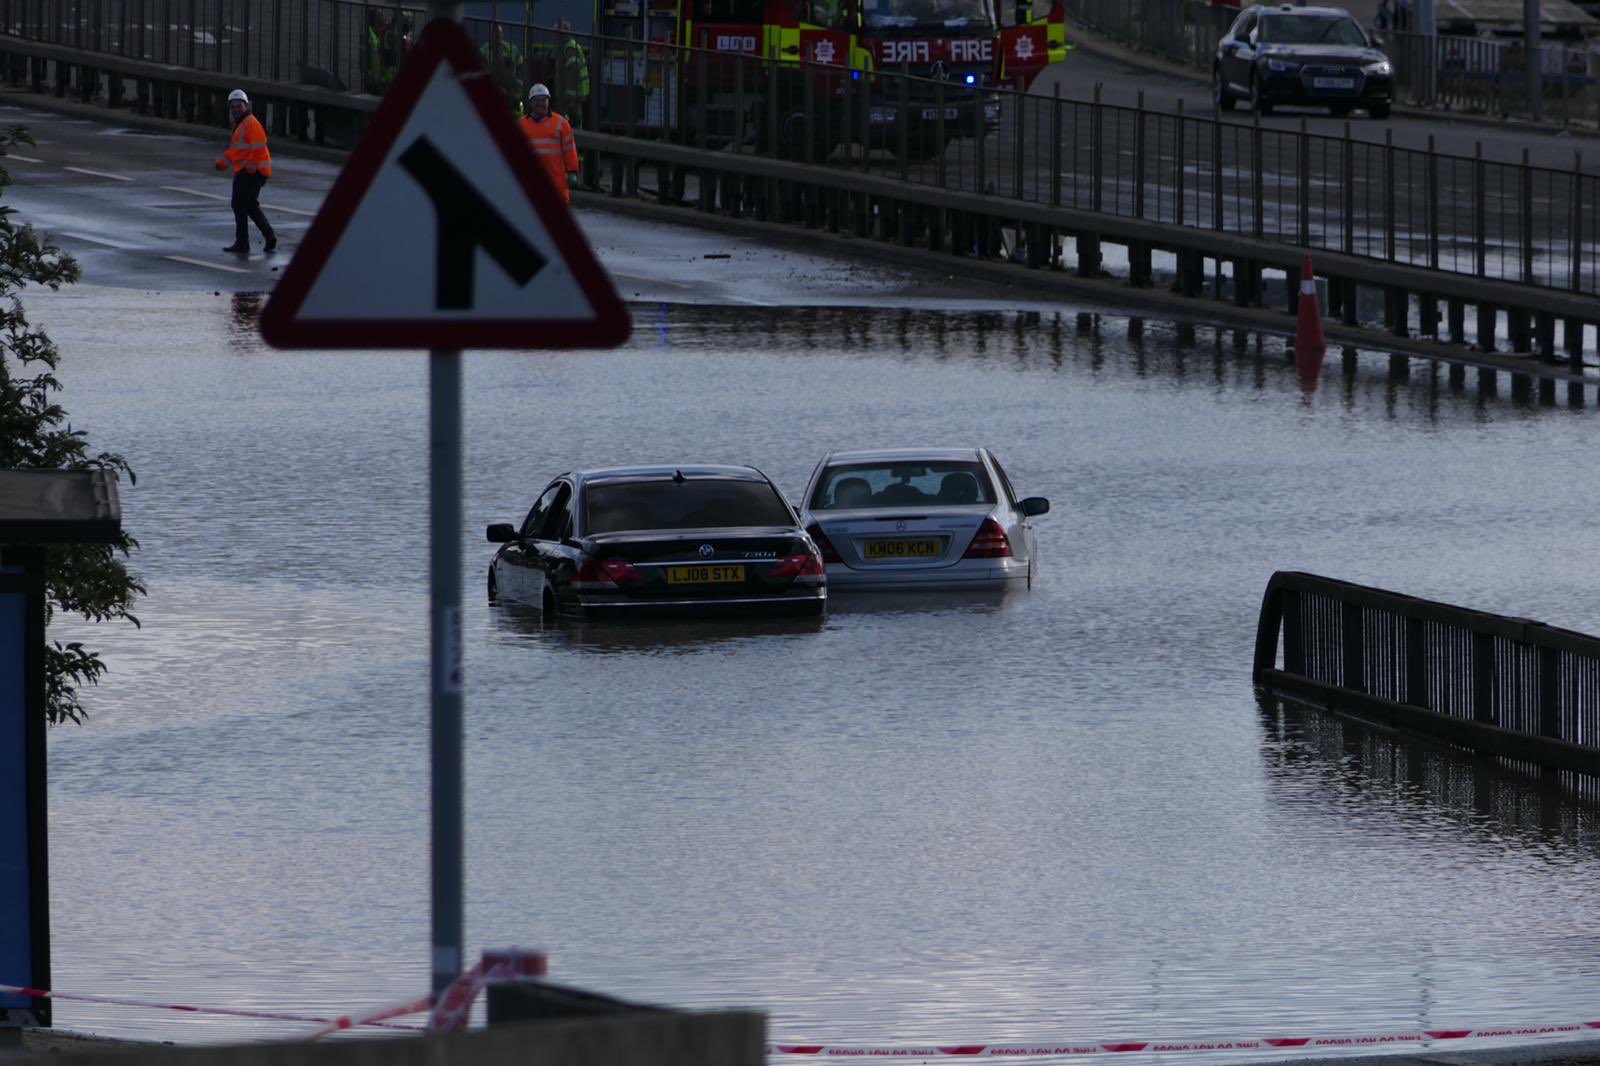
(924, 484)
(1304, 29)
(906, 14)
(695, 503)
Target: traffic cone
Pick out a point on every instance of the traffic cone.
(1309, 345)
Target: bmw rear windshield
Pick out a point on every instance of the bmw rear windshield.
(694, 503)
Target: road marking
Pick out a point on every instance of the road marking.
(203, 263)
(219, 196)
(98, 173)
(99, 240)
(22, 158)
(651, 280)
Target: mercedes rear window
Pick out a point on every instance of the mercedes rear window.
(706, 503)
(901, 484)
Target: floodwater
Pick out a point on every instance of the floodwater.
(1056, 816)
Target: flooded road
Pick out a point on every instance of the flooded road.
(1057, 816)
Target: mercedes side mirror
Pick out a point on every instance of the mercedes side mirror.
(501, 533)
(1034, 505)
(1377, 41)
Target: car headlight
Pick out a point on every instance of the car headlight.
(1380, 68)
(1282, 65)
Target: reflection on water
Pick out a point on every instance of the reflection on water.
(1305, 746)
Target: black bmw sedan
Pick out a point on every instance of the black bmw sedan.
(634, 540)
(1314, 56)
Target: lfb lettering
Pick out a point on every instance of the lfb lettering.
(970, 50)
(907, 52)
(733, 42)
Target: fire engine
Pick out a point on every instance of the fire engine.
(728, 58)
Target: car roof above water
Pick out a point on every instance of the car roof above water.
(667, 470)
(893, 454)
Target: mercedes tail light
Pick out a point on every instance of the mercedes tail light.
(824, 545)
(990, 543)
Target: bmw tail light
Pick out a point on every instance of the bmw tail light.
(801, 564)
(592, 573)
(824, 545)
(990, 543)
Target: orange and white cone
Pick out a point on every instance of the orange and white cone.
(1309, 345)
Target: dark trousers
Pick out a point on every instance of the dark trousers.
(247, 207)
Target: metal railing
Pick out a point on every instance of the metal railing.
(1507, 686)
(1395, 203)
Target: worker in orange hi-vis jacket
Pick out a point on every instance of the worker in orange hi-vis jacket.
(247, 155)
(550, 135)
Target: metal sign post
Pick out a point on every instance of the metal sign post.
(444, 147)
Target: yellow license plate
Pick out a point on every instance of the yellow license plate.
(918, 548)
(704, 575)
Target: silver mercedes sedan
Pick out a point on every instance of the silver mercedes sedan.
(936, 518)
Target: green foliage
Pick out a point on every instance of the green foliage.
(91, 580)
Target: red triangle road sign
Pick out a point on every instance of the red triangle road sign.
(443, 230)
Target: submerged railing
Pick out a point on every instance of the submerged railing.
(1509, 687)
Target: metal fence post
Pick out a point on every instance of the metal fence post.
(1055, 147)
(1525, 189)
(1178, 182)
(1018, 160)
(1217, 214)
(1347, 191)
(981, 153)
(903, 122)
(1139, 120)
(1258, 225)
(1480, 191)
(1303, 197)
(1416, 663)
(738, 103)
(1096, 150)
(938, 132)
(1353, 643)
(1388, 194)
(1575, 224)
(1433, 206)
(1483, 677)
(702, 98)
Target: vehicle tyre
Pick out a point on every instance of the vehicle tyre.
(1379, 111)
(1219, 91)
(1258, 100)
(547, 606)
(493, 590)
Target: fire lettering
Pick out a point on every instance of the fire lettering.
(733, 42)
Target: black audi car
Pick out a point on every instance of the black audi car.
(637, 540)
(1311, 56)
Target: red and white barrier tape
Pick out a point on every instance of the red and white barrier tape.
(447, 1015)
(231, 1012)
(1151, 1047)
(450, 1013)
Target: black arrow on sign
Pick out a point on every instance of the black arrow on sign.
(466, 222)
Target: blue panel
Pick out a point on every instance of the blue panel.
(16, 919)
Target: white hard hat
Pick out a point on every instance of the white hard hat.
(539, 89)
(238, 94)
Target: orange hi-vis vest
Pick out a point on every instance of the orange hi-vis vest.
(551, 139)
(248, 149)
